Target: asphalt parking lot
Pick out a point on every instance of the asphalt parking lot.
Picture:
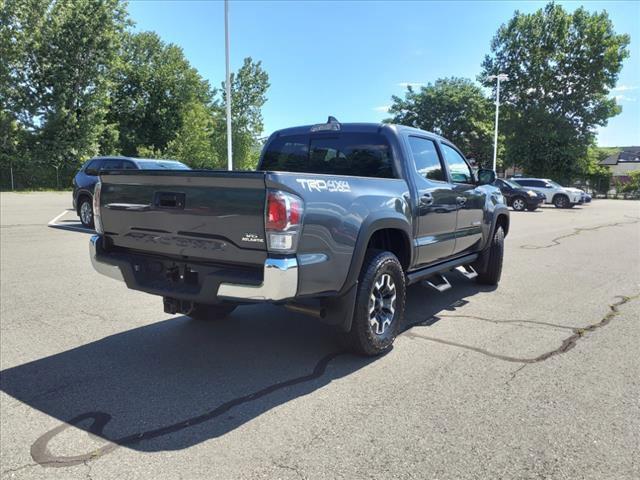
(539, 378)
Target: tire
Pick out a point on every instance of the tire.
(532, 209)
(519, 204)
(380, 303)
(85, 212)
(211, 313)
(561, 201)
(493, 272)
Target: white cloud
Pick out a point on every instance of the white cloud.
(624, 98)
(410, 84)
(382, 108)
(624, 88)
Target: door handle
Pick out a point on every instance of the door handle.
(427, 199)
(461, 200)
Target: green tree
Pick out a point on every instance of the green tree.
(248, 95)
(193, 143)
(633, 186)
(53, 81)
(561, 68)
(598, 176)
(454, 108)
(154, 87)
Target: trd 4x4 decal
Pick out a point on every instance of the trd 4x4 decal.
(324, 185)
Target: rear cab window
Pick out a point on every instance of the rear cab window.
(336, 153)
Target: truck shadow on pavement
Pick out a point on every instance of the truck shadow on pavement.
(178, 382)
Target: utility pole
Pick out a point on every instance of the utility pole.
(228, 86)
(501, 77)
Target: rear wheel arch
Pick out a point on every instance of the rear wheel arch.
(392, 234)
(556, 195)
(502, 220)
(393, 240)
(82, 196)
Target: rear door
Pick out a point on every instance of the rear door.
(208, 215)
(470, 200)
(436, 202)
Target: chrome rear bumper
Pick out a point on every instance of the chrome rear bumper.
(107, 269)
(280, 277)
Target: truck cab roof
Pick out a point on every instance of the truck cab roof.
(355, 127)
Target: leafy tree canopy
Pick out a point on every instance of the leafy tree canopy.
(561, 68)
(154, 89)
(54, 80)
(454, 108)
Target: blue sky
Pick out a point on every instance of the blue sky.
(347, 58)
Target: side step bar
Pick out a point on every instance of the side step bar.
(425, 273)
(467, 271)
(439, 282)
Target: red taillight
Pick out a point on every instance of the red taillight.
(295, 212)
(283, 221)
(283, 211)
(276, 212)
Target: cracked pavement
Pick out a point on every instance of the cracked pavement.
(537, 379)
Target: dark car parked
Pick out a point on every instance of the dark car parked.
(517, 197)
(85, 180)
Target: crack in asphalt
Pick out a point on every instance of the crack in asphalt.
(577, 231)
(21, 467)
(567, 344)
(41, 454)
(288, 467)
(491, 320)
(515, 372)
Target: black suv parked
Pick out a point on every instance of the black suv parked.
(85, 180)
(519, 198)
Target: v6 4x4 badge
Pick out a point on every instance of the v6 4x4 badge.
(252, 238)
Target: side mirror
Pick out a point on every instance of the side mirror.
(486, 176)
(91, 171)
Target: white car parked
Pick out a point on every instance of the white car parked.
(561, 197)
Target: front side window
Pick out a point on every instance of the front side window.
(355, 154)
(458, 167)
(426, 158)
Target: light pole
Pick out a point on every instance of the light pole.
(228, 85)
(501, 77)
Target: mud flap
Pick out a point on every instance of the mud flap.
(339, 310)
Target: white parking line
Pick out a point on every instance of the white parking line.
(76, 228)
(53, 222)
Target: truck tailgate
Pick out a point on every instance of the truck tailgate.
(207, 215)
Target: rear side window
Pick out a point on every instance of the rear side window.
(113, 164)
(94, 165)
(355, 154)
(161, 165)
(426, 158)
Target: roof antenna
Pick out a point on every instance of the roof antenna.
(332, 119)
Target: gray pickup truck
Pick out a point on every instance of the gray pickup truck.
(336, 222)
